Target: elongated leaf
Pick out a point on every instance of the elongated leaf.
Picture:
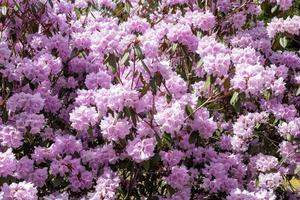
(125, 57)
(189, 111)
(226, 84)
(111, 60)
(158, 78)
(4, 10)
(144, 90)
(207, 83)
(200, 63)
(234, 99)
(274, 9)
(283, 42)
(174, 47)
(145, 67)
(298, 91)
(139, 52)
(193, 137)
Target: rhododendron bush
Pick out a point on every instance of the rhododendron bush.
(157, 99)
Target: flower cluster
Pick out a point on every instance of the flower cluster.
(135, 99)
(289, 25)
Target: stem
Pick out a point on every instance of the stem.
(133, 73)
(209, 100)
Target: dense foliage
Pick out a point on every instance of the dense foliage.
(148, 99)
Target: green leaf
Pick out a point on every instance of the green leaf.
(174, 47)
(297, 170)
(283, 42)
(131, 113)
(16, 8)
(153, 85)
(158, 79)
(125, 57)
(298, 91)
(144, 90)
(207, 82)
(57, 181)
(90, 131)
(74, 52)
(169, 98)
(275, 121)
(139, 52)
(77, 12)
(226, 84)
(274, 9)
(127, 8)
(145, 67)
(257, 125)
(267, 94)
(4, 10)
(111, 60)
(193, 137)
(199, 63)
(234, 99)
(189, 111)
(127, 111)
(154, 161)
(166, 140)
(199, 34)
(256, 182)
(146, 165)
(171, 191)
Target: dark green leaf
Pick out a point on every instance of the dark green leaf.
(153, 85)
(193, 137)
(146, 165)
(74, 53)
(166, 140)
(226, 84)
(158, 78)
(155, 160)
(144, 90)
(111, 60)
(171, 191)
(57, 181)
(169, 98)
(90, 131)
(189, 111)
